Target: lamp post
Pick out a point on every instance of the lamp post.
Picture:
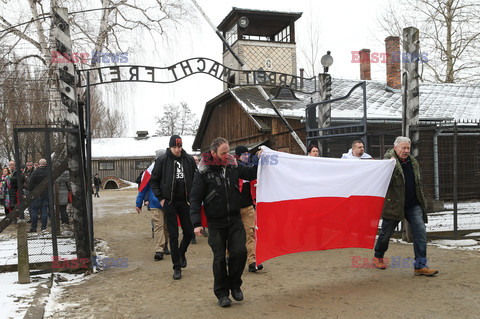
(326, 61)
(324, 91)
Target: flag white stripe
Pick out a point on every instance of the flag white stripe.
(285, 176)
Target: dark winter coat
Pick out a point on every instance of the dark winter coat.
(162, 180)
(394, 205)
(97, 181)
(38, 175)
(26, 176)
(14, 186)
(217, 187)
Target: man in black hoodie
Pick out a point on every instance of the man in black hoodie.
(171, 181)
(216, 184)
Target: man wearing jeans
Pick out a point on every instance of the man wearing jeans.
(40, 203)
(404, 200)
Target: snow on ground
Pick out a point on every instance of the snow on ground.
(15, 297)
(54, 303)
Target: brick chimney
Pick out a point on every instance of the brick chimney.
(365, 64)
(392, 48)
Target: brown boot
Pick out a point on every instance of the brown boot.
(379, 263)
(425, 272)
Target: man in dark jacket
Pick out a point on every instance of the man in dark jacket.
(40, 203)
(96, 182)
(216, 185)
(404, 200)
(171, 181)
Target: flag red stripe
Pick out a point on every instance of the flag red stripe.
(145, 180)
(316, 224)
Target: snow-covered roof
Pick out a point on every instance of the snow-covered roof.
(437, 101)
(133, 147)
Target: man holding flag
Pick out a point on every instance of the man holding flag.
(404, 200)
(216, 184)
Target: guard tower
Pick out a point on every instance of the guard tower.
(263, 40)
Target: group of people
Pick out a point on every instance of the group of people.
(224, 186)
(30, 177)
(356, 152)
(9, 189)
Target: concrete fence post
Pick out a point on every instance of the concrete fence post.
(22, 247)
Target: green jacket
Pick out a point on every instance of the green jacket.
(393, 207)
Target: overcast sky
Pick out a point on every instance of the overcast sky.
(346, 25)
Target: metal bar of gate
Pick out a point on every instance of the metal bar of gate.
(19, 176)
(455, 183)
(89, 163)
(50, 193)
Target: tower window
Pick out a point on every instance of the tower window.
(283, 36)
(232, 35)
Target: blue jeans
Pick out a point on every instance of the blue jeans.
(414, 216)
(40, 204)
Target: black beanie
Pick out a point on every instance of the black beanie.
(175, 140)
(240, 150)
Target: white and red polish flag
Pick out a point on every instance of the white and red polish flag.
(146, 177)
(313, 203)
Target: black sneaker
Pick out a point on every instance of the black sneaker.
(260, 267)
(237, 294)
(166, 251)
(158, 256)
(177, 274)
(252, 267)
(224, 301)
(194, 241)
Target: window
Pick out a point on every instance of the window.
(104, 166)
(141, 165)
(231, 35)
(283, 36)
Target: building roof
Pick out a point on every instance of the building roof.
(437, 102)
(133, 147)
(262, 22)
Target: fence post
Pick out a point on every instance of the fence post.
(410, 97)
(325, 110)
(69, 111)
(22, 247)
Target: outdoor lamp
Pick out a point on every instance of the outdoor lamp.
(326, 61)
(243, 22)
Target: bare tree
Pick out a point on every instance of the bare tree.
(103, 121)
(311, 45)
(449, 35)
(117, 26)
(177, 119)
(27, 43)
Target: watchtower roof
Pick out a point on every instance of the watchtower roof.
(261, 22)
